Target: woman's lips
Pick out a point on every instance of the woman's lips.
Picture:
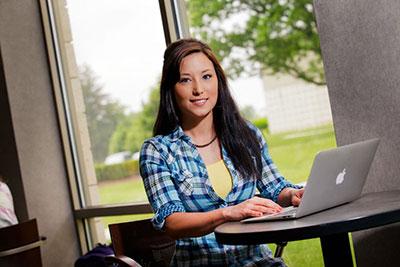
(199, 102)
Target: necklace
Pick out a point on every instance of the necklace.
(209, 143)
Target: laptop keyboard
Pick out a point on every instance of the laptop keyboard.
(287, 211)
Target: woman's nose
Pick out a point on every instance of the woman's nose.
(197, 88)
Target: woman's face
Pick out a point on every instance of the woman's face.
(196, 92)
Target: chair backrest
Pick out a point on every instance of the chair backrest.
(20, 245)
(141, 242)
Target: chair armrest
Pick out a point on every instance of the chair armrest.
(23, 248)
(122, 260)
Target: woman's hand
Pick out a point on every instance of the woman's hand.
(252, 207)
(297, 194)
(290, 196)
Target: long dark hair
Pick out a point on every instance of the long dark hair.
(237, 138)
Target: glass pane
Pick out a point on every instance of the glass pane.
(118, 48)
(270, 50)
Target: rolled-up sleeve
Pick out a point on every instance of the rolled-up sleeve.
(160, 189)
(272, 182)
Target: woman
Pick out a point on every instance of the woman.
(206, 162)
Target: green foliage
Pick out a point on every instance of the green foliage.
(261, 35)
(130, 133)
(116, 171)
(262, 124)
(102, 113)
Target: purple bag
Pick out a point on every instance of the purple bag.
(95, 257)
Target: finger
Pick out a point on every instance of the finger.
(296, 201)
(257, 213)
(266, 202)
(300, 193)
(265, 210)
(254, 213)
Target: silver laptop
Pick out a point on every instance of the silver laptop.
(337, 177)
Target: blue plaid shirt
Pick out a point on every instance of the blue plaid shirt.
(176, 180)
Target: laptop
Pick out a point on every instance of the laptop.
(337, 177)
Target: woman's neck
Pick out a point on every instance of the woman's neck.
(201, 131)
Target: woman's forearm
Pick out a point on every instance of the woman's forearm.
(192, 224)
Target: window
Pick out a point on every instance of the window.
(107, 59)
(270, 50)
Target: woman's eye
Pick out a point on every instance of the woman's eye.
(184, 80)
(207, 76)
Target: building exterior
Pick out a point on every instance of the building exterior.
(292, 104)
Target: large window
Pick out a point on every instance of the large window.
(118, 50)
(108, 57)
(270, 50)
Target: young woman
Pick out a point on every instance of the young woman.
(206, 163)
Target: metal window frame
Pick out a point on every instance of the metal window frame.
(174, 18)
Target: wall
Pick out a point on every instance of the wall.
(360, 41)
(42, 184)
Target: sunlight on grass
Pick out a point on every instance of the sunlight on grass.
(294, 156)
(122, 191)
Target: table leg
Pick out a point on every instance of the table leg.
(336, 250)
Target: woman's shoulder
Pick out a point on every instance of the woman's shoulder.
(159, 144)
(165, 139)
(154, 143)
(159, 140)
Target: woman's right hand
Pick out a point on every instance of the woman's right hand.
(253, 207)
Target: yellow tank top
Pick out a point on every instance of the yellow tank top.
(220, 178)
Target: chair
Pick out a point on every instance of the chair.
(137, 243)
(20, 245)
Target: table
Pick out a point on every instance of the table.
(331, 226)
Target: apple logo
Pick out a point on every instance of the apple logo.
(340, 177)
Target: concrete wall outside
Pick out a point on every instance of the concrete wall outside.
(36, 130)
(360, 41)
(292, 104)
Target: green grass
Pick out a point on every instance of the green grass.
(294, 155)
(292, 152)
(121, 191)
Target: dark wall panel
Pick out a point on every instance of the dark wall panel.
(360, 41)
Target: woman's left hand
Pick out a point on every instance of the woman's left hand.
(290, 196)
(297, 194)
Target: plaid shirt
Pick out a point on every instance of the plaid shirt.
(176, 180)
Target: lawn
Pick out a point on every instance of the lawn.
(292, 152)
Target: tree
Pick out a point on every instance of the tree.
(102, 113)
(130, 133)
(272, 36)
